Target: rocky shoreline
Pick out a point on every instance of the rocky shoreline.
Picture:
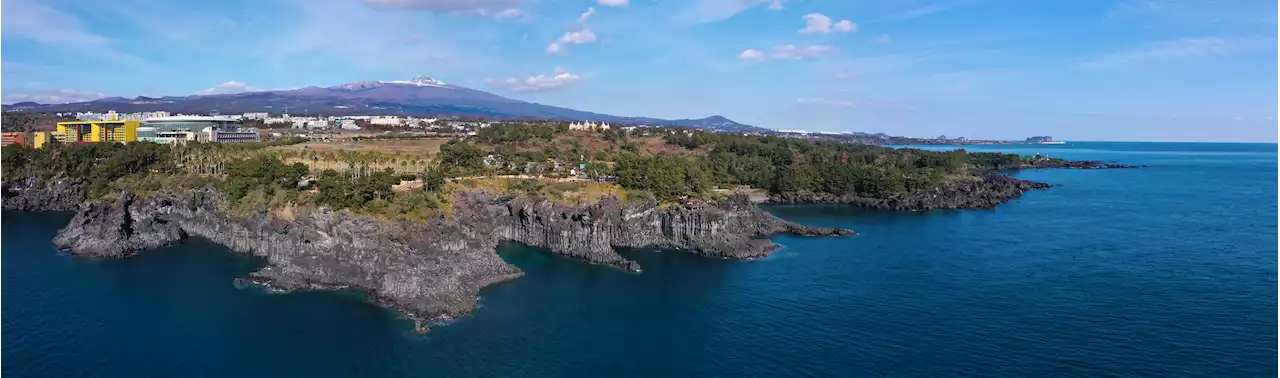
(434, 271)
(430, 272)
(983, 193)
(1076, 164)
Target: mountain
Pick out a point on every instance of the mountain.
(420, 96)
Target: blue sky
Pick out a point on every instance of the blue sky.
(1184, 70)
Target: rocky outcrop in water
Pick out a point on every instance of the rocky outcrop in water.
(429, 271)
(55, 194)
(112, 230)
(987, 192)
(1074, 164)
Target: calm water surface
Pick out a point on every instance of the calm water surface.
(1164, 271)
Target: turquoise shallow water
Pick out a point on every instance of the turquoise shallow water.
(1163, 271)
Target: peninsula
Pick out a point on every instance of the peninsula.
(414, 222)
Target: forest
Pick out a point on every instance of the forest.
(253, 177)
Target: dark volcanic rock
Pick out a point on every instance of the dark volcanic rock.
(729, 229)
(987, 192)
(56, 194)
(429, 271)
(1075, 164)
(116, 230)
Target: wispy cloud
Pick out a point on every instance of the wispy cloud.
(497, 8)
(38, 22)
(560, 80)
(706, 11)
(53, 96)
(577, 37)
(922, 11)
(787, 52)
(323, 32)
(1179, 49)
(229, 87)
(1199, 11)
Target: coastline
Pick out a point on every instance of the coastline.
(433, 272)
(430, 272)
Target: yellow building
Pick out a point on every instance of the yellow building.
(97, 131)
(41, 138)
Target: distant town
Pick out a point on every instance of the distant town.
(37, 129)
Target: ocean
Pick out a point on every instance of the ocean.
(1164, 271)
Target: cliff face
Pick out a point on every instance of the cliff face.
(56, 194)
(989, 191)
(429, 271)
(728, 229)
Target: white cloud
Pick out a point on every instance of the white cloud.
(612, 3)
(846, 26)
(883, 39)
(775, 5)
(579, 37)
(826, 102)
(587, 15)
(560, 80)
(787, 52)
(818, 23)
(1177, 49)
(751, 54)
(229, 87)
(53, 96)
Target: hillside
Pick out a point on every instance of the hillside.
(421, 96)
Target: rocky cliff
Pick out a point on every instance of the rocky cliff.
(428, 271)
(55, 194)
(985, 192)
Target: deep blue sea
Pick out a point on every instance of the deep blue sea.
(1164, 271)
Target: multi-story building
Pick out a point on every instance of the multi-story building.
(240, 134)
(16, 137)
(97, 131)
(195, 128)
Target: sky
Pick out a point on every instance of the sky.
(1156, 70)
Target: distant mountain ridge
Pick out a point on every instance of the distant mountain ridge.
(420, 96)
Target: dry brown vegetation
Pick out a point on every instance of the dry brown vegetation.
(426, 145)
(590, 142)
(565, 192)
(402, 156)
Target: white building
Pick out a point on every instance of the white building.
(386, 121)
(257, 115)
(588, 125)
